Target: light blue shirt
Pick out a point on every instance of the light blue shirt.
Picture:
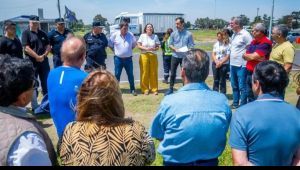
(122, 45)
(181, 39)
(192, 124)
(268, 129)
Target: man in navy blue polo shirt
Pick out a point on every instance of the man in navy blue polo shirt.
(56, 37)
(96, 43)
(266, 132)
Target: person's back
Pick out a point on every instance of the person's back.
(64, 82)
(121, 145)
(192, 123)
(267, 130)
(272, 133)
(101, 134)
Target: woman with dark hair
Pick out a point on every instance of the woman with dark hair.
(149, 44)
(101, 135)
(167, 54)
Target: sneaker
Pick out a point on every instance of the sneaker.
(133, 93)
(146, 92)
(234, 106)
(156, 93)
(170, 91)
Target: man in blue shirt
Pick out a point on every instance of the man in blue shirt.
(56, 38)
(192, 123)
(180, 41)
(96, 43)
(266, 132)
(64, 82)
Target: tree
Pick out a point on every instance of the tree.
(244, 19)
(266, 20)
(257, 19)
(101, 19)
(296, 16)
(187, 24)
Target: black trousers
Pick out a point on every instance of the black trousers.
(174, 64)
(42, 70)
(57, 61)
(219, 75)
(167, 65)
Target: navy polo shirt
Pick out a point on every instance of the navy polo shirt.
(37, 41)
(268, 129)
(96, 45)
(56, 39)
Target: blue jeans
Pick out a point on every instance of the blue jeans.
(211, 162)
(238, 84)
(128, 65)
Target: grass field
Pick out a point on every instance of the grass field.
(143, 108)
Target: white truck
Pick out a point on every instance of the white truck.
(160, 21)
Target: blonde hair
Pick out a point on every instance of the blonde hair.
(100, 100)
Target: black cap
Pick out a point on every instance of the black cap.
(34, 18)
(59, 20)
(9, 23)
(97, 24)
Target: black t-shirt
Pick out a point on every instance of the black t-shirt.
(37, 42)
(11, 47)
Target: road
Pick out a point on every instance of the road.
(136, 68)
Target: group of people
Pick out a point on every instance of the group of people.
(242, 52)
(89, 115)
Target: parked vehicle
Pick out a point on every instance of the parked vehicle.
(160, 21)
(292, 36)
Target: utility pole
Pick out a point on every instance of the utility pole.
(257, 12)
(271, 20)
(58, 6)
(215, 9)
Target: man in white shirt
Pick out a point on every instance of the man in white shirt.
(241, 39)
(122, 43)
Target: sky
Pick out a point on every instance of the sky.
(192, 9)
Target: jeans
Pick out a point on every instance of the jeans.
(57, 61)
(238, 84)
(250, 94)
(219, 77)
(211, 162)
(128, 65)
(174, 64)
(167, 66)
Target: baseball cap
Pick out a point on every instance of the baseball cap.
(34, 18)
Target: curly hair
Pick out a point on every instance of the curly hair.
(100, 100)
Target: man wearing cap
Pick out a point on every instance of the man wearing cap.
(10, 43)
(36, 47)
(56, 37)
(96, 43)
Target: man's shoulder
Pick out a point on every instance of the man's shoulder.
(86, 35)
(26, 32)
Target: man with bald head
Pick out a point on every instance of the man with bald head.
(64, 82)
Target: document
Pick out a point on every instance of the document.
(183, 49)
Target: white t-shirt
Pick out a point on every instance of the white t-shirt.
(149, 42)
(239, 43)
(221, 51)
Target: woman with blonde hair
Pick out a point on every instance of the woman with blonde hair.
(149, 44)
(101, 135)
